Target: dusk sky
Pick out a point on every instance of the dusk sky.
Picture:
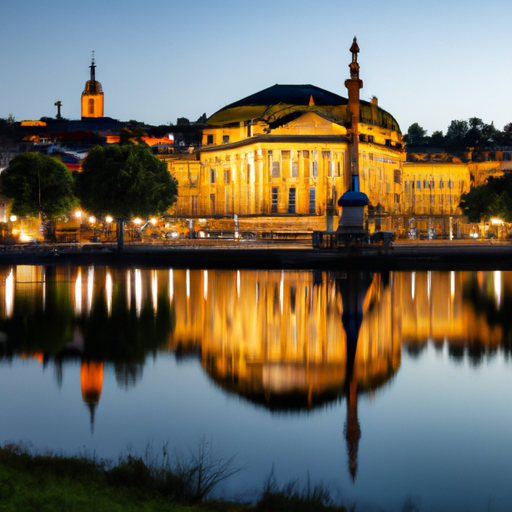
(426, 62)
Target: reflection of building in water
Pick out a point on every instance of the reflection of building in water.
(91, 380)
(290, 340)
(432, 307)
(275, 337)
(279, 339)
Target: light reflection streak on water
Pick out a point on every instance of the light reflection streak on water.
(138, 292)
(238, 283)
(78, 293)
(9, 294)
(281, 292)
(413, 284)
(205, 284)
(187, 279)
(90, 289)
(154, 291)
(128, 289)
(171, 285)
(43, 275)
(497, 288)
(108, 292)
(452, 285)
(429, 284)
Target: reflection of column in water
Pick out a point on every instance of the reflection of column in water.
(353, 288)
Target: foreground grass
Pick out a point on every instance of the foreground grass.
(52, 483)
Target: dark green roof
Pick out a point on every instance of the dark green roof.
(290, 94)
(279, 102)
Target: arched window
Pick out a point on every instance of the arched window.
(91, 106)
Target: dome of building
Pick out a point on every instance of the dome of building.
(281, 103)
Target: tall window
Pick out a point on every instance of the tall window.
(275, 198)
(212, 175)
(91, 106)
(291, 200)
(312, 200)
(276, 170)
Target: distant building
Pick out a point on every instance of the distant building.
(92, 97)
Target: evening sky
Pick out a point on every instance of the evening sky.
(426, 62)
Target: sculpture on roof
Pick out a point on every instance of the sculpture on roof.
(354, 65)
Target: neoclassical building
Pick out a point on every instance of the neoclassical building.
(284, 154)
(280, 158)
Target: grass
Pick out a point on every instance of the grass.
(50, 482)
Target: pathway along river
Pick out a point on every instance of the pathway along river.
(386, 387)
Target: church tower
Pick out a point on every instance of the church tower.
(92, 97)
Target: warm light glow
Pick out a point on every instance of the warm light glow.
(13, 218)
(9, 294)
(109, 219)
(24, 237)
(138, 292)
(153, 221)
(497, 288)
(78, 214)
(205, 284)
(495, 221)
(108, 292)
(90, 288)
(154, 291)
(92, 219)
(137, 221)
(78, 293)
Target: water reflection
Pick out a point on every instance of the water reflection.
(289, 342)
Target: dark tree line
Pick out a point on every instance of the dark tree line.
(461, 136)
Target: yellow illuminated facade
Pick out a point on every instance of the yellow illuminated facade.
(283, 155)
(92, 97)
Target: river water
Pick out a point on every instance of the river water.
(390, 388)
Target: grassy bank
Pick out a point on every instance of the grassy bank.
(49, 483)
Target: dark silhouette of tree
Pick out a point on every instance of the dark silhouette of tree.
(456, 136)
(416, 135)
(494, 199)
(38, 184)
(125, 181)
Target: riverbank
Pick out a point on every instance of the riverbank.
(218, 254)
(53, 483)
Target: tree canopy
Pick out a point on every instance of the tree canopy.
(493, 199)
(38, 184)
(461, 136)
(125, 181)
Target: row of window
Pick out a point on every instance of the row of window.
(411, 185)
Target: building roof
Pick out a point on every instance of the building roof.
(280, 103)
(291, 94)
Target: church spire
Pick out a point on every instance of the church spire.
(92, 97)
(93, 68)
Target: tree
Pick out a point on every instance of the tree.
(416, 135)
(38, 185)
(494, 199)
(437, 139)
(456, 135)
(125, 181)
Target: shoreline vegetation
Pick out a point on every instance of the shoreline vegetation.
(49, 482)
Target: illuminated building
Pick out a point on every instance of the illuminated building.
(284, 153)
(92, 97)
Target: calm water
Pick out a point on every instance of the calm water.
(382, 386)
